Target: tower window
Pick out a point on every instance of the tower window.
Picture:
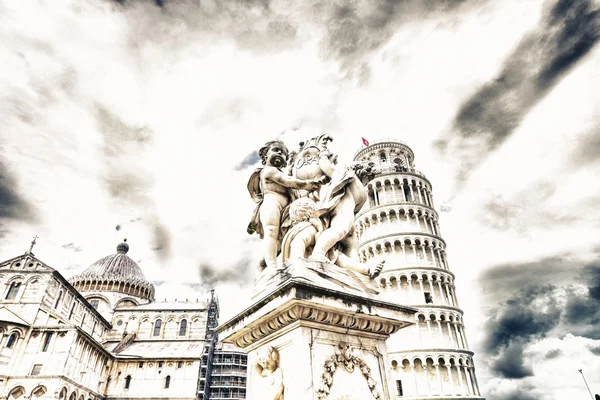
(72, 310)
(47, 341)
(57, 303)
(37, 368)
(179, 364)
(167, 381)
(11, 340)
(428, 299)
(127, 381)
(183, 327)
(399, 388)
(141, 364)
(160, 364)
(94, 303)
(13, 290)
(157, 326)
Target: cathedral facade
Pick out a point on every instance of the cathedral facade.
(98, 335)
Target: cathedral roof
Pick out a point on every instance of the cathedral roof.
(116, 272)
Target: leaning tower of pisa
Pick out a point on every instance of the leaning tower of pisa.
(399, 224)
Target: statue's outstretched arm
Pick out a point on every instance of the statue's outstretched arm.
(326, 165)
(291, 182)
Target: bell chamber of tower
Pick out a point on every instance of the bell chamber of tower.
(400, 225)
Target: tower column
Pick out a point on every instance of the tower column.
(461, 383)
(439, 376)
(452, 386)
(427, 377)
(469, 383)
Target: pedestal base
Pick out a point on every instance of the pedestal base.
(330, 338)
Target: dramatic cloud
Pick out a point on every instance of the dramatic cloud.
(12, 205)
(535, 311)
(529, 315)
(582, 311)
(565, 34)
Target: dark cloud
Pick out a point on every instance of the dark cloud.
(162, 241)
(12, 204)
(535, 311)
(71, 246)
(252, 159)
(553, 354)
(356, 29)
(348, 32)
(510, 362)
(529, 314)
(564, 35)
(239, 273)
(582, 311)
(595, 350)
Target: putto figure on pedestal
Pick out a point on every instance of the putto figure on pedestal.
(270, 375)
(270, 188)
(325, 197)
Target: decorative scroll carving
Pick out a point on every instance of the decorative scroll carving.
(270, 374)
(343, 357)
(296, 312)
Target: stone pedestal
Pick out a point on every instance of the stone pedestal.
(329, 330)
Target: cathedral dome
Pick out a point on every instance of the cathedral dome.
(115, 273)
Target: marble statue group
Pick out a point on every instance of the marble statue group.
(306, 204)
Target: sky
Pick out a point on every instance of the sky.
(141, 119)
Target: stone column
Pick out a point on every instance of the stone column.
(426, 373)
(451, 380)
(439, 375)
(439, 281)
(469, 383)
(460, 379)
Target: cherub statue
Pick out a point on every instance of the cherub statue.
(339, 200)
(270, 375)
(302, 236)
(270, 188)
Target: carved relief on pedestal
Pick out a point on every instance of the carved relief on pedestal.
(269, 380)
(344, 358)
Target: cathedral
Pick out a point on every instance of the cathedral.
(101, 335)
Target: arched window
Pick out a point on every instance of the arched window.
(57, 303)
(183, 327)
(127, 381)
(13, 290)
(157, 326)
(167, 381)
(11, 340)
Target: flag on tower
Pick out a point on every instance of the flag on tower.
(365, 141)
